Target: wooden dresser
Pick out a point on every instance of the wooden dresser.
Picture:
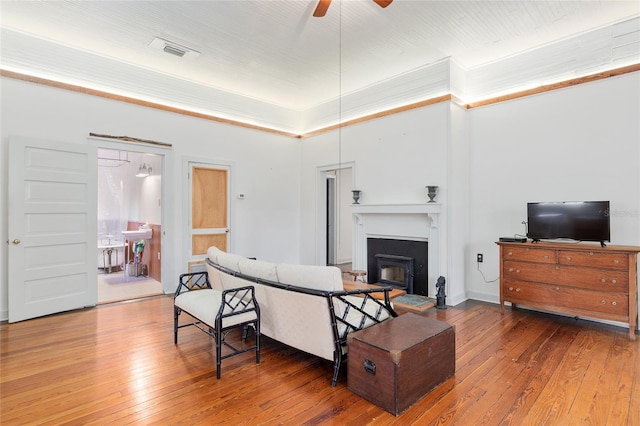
(578, 279)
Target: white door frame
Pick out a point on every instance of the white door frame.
(166, 153)
(323, 173)
(331, 206)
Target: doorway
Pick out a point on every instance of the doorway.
(338, 221)
(331, 219)
(53, 222)
(129, 224)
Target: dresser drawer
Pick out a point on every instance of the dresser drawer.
(574, 279)
(613, 303)
(567, 276)
(529, 254)
(594, 259)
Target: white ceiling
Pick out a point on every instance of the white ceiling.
(274, 52)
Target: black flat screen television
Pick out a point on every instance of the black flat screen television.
(575, 220)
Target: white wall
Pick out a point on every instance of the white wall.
(578, 143)
(149, 190)
(123, 197)
(457, 218)
(266, 166)
(149, 198)
(394, 158)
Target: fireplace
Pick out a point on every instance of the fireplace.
(396, 271)
(418, 224)
(399, 263)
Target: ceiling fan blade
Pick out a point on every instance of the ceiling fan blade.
(383, 3)
(321, 8)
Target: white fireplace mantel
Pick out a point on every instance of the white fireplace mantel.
(426, 208)
(401, 221)
(432, 210)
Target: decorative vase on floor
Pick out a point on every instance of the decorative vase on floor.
(356, 196)
(432, 192)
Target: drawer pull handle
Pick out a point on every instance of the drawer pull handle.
(546, 256)
(569, 258)
(614, 303)
(510, 288)
(602, 280)
(590, 253)
(517, 271)
(510, 269)
(604, 302)
(557, 288)
(517, 290)
(616, 261)
(614, 282)
(509, 254)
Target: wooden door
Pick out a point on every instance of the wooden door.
(209, 210)
(52, 227)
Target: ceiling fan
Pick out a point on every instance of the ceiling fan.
(323, 6)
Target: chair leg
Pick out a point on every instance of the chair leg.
(336, 371)
(218, 338)
(175, 325)
(245, 333)
(337, 362)
(257, 331)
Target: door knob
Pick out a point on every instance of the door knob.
(16, 241)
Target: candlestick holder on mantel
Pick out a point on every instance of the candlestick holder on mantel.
(356, 196)
(432, 193)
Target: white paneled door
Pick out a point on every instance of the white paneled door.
(52, 227)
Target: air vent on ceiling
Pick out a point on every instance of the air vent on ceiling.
(173, 48)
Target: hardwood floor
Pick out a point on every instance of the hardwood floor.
(117, 364)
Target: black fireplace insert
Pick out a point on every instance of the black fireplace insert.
(396, 271)
(417, 250)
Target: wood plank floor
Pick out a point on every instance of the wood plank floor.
(117, 364)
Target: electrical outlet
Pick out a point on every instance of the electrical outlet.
(480, 258)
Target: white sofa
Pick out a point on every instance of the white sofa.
(302, 306)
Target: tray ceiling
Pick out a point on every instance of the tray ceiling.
(275, 53)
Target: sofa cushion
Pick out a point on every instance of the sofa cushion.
(204, 305)
(326, 278)
(258, 269)
(215, 277)
(212, 253)
(229, 260)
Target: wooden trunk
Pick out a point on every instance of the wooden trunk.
(397, 362)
